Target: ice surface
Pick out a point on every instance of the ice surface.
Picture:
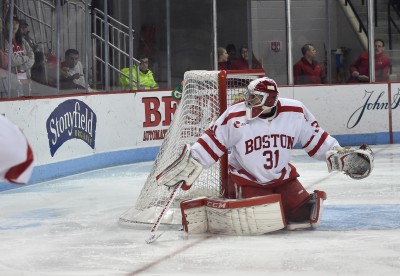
(70, 226)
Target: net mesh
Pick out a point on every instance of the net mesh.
(199, 107)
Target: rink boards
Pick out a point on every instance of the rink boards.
(77, 133)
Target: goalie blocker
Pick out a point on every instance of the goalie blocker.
(185, 169)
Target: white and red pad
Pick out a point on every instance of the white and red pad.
(185, 169)
(16, 156)
(252, 216)
(317, 201)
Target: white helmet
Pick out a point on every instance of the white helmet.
(261, 94)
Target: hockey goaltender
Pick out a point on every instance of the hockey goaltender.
(264, 193)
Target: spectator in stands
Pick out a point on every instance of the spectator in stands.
(38, 70)
(67, 80)
(146, 78)
(359, 69)
(231, 50)
(25, 33)
(3, 73)
(242, 63)
(256, 64)
(75, 67)
(51, 57)
(222, 58)
(22, 59)
(308, 70)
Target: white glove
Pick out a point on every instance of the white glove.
(355, 162)
(185, 169)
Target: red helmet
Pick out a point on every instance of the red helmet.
(261, 94)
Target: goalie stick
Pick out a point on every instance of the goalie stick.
(153, 232)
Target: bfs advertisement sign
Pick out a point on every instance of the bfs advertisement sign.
(158, 114)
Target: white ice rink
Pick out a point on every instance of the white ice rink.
(70, 226)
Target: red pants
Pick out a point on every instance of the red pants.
(294, 196)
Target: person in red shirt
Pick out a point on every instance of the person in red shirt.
(231, 50)
(308, 70)
(359, 69)
(222, 59)
(243, 62)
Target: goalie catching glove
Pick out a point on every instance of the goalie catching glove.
(185, 169)
(355, 162)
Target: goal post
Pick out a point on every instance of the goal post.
(205, 96)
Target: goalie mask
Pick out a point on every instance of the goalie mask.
(261, 94)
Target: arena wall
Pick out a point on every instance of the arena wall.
(77, 133)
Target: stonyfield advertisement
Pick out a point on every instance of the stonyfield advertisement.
(72, 119)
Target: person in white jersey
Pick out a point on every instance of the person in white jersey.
(16, 156)
(261, 133)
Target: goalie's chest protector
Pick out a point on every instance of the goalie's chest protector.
(261, 149)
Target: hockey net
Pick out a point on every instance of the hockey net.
(206, 95)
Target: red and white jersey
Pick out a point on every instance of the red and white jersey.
(16, 155)
(261, 149)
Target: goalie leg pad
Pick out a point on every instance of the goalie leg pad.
(316, 201)
(252, 216)
(194, 217)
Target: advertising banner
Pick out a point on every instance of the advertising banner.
(78, 127)
(71, 127)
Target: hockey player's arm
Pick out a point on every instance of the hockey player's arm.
(192, 161)
(355, 162)
(16, 155)
(185, 169)
(315, 140)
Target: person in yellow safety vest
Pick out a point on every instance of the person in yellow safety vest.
(145, 74)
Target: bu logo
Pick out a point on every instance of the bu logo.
(275, 46)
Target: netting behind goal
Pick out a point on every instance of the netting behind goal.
(206, 95)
